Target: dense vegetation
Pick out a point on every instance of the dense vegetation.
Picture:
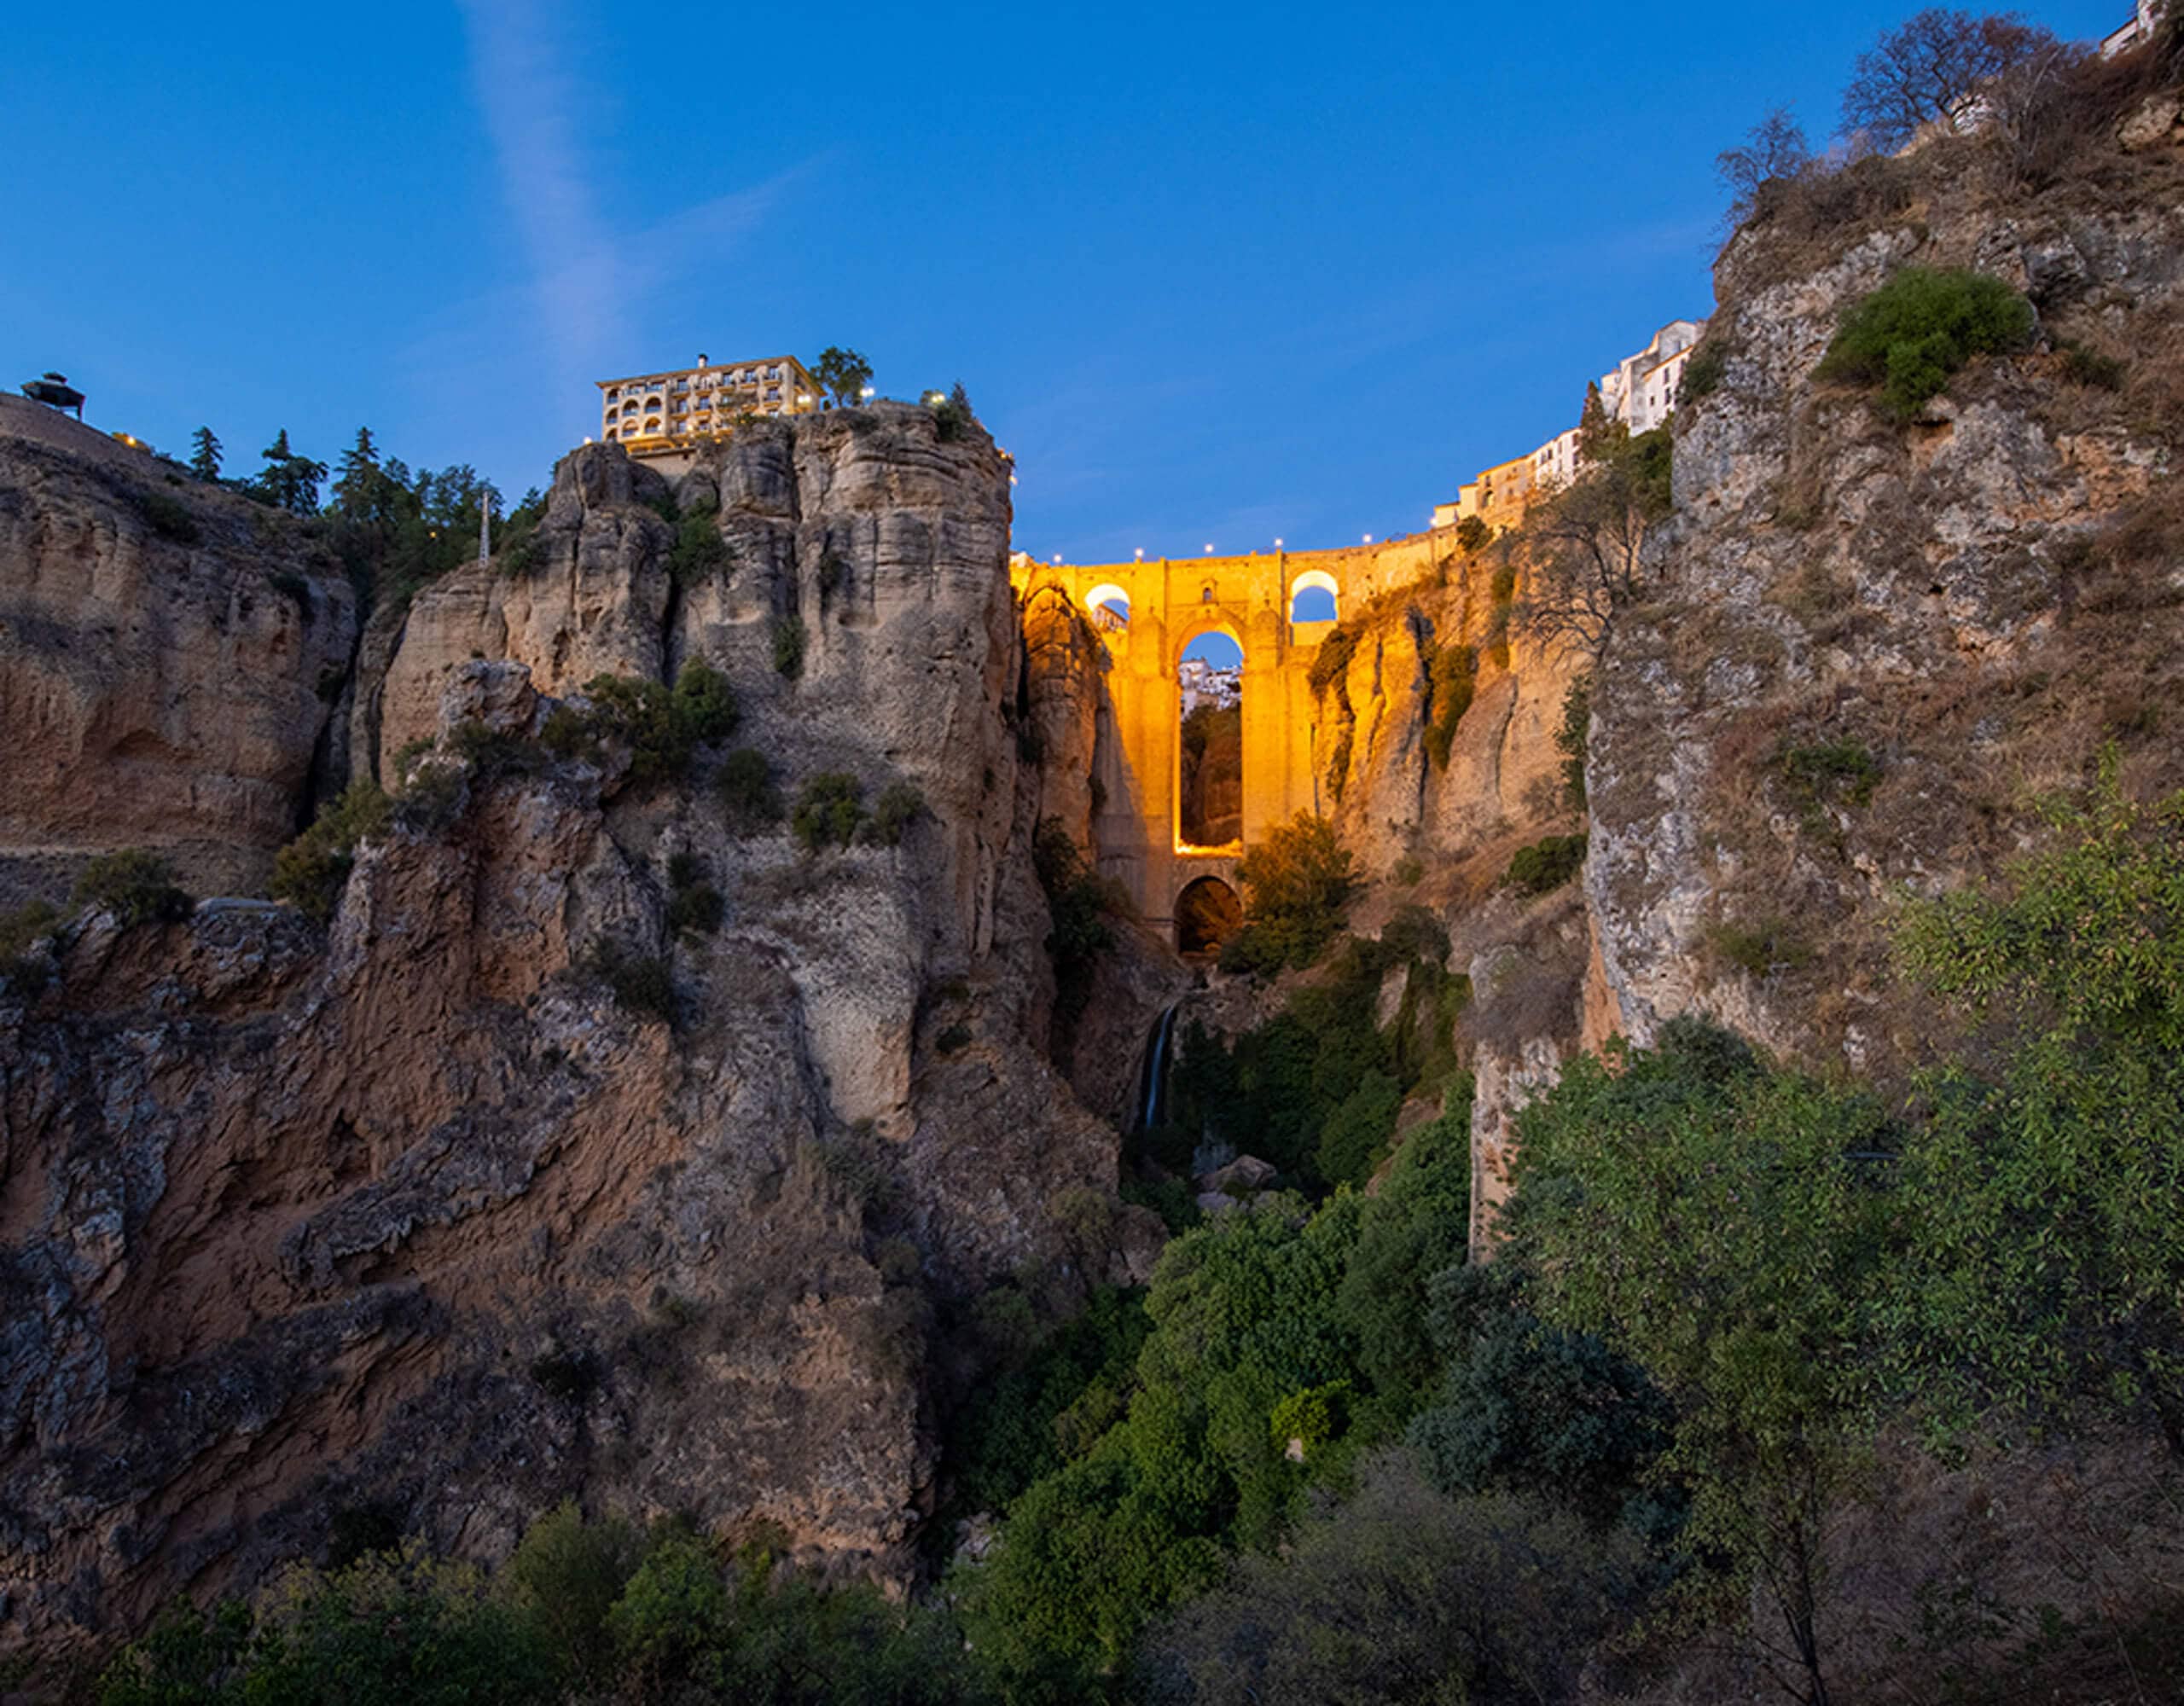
(584, 1611)
(1722, 1282)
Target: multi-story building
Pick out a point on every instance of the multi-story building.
(1639, 390)
(2140, 28)
(663, 414)
(1219, 685)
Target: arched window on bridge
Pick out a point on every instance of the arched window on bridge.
(1312, 597)
(1108, 605)
(1210, 757)
(1207, 914)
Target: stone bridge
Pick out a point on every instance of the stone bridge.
(1137, 828)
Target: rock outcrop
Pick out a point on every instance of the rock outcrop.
(414, 1221)
(170, 658)
(1872, 645)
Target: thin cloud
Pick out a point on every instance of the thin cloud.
(527, 99)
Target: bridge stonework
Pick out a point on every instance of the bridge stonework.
(1137, 828)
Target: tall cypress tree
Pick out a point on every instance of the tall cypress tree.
(205, 457)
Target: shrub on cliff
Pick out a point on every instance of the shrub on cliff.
(1547, 863)
(136, 886)
(641, 983)
(1924, 323)
(1078, 901)
(1569, 737)
(747, 791)
(828, 811)
(661, 727)
(790, 640)
(21, 931)
(698, 552)
(309, 872)
(695, 906)
(899, 805)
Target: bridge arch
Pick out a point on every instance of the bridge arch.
(1108, 596)
(1316, 580)
(1208, 912)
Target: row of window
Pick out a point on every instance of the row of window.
(705, 381)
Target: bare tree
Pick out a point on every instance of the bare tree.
(1774, 152)
(2033, 117)
(1932, 70)
(1586, 544)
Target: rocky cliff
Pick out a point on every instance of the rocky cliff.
(1855, 656)
(408, 1224)
(1872, 646)
(170, 660)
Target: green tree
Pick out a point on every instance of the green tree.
(1298, 883)
(1718, 1222)
(845, 372)
(289, 481)
(205, 457)
(1402, 1596)
(362, 491)
(2044, 1254)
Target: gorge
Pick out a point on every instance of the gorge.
(529, 1173)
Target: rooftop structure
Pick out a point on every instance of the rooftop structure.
(2140, 28)
(665, 415)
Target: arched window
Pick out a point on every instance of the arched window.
(1312, 597)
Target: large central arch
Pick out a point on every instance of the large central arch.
(1171, 602)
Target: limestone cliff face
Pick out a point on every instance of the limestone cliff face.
(410, 1218)
(1863, 649)
(1953, 615)
(169, 657)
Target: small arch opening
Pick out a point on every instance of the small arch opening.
(1108, 605)
(1209, 757)
(1312, 597)
(1207, 914)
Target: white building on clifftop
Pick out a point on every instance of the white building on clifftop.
(1639, 390)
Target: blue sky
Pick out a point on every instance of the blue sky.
(1214, 275)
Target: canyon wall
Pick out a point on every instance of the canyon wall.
(169, 661)
(407, 1224)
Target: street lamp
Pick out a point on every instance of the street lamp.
(868, 393)
(1277, 544)
(1368, 538)
(1141, 553)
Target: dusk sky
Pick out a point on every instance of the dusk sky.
(1213, 275)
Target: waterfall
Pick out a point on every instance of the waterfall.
(1153, 1082)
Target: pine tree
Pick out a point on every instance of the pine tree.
(359, 493)
(289, 481)
(205, 457)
